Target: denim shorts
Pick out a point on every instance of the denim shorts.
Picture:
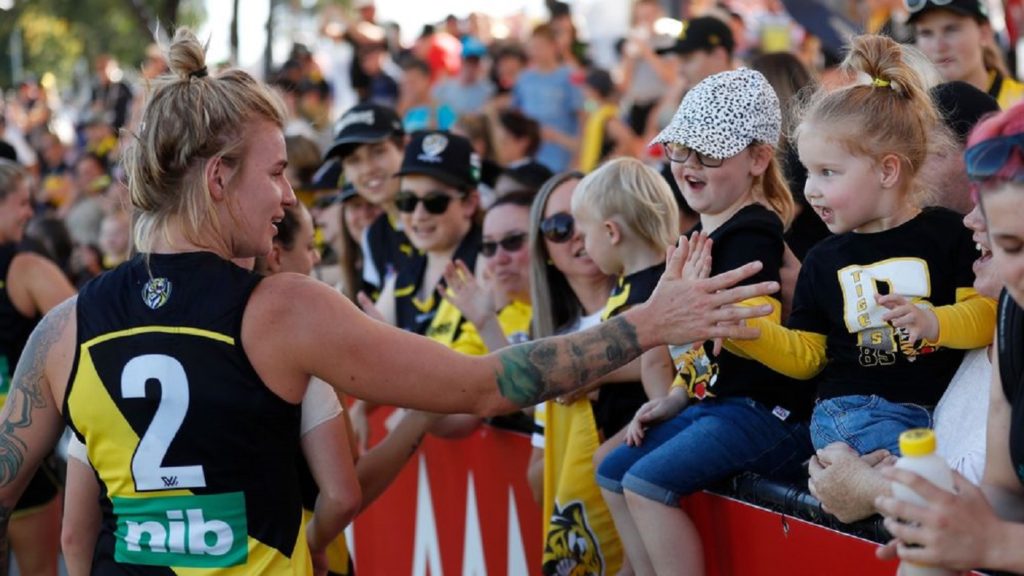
(704, 444)
(865, 423)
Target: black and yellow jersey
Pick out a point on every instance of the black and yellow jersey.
(837, 327)
(616, 404)
(416, 315)
(15, 328)
(386, 250)
(1007, 91)
(196, 457)
(753, 233)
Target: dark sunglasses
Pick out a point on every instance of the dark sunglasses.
(434, 202)
(511, 243)
(986, 159)
(558, 228)
(680, 153)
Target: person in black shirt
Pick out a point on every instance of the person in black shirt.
(30, 286)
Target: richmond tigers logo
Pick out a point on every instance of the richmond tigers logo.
(570, 548)
(696, 371)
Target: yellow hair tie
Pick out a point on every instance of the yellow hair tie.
(879, 82)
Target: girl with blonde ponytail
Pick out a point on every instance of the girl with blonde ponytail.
(885, 307)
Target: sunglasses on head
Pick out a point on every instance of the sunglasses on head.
(511, 243)
(987, 159)
(680, 153)
(434, 202)
(558, 228)
(918, 5)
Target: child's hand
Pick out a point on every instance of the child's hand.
(920, 322)
(652, 412)
(474, 301)
(698, 261)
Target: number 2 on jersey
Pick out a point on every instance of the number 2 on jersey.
(147, 463)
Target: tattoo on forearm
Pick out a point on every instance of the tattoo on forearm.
(27, 394)
(535, 371)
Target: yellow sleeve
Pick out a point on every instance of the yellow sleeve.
(469, 341)
(794, 353)
(968, 324)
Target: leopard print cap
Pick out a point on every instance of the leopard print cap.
(724, 113)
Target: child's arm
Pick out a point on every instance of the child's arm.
(654, 411)
(795, 353)
(965, 325)
(657, 372)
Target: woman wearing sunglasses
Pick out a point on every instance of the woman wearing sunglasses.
(438, 205)
(480, 317)
(569, 293)
(982, 527)
(957, 37)
(499, 313)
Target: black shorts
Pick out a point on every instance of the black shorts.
(43, 488)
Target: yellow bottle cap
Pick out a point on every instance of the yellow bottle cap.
(917, 442)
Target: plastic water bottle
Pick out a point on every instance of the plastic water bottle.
(918, 449)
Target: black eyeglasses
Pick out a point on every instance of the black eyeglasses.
(434, 202)
(918, 5)
(558, 228)
(511, 243)
(679, 153)
(986, 159)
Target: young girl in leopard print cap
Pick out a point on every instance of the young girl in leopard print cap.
(724, 413)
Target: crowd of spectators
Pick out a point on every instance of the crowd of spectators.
(484, 191)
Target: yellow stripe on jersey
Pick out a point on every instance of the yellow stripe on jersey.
(160, 329)
(616, 301)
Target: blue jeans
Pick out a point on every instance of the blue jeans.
(865, 423)
(705, 443)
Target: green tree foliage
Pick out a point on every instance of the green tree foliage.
(58, 34)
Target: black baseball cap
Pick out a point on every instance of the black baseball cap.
(361, 124)
(976, 9)
(704, 33)
(444, 156)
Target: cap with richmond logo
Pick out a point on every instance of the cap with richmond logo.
(362, 124)
(444, 156)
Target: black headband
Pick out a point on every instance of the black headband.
(200, 73)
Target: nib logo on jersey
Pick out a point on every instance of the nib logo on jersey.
(194, 531)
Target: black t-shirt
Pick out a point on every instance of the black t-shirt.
(753, 233)
(1011, 372)
(616, 404)
(930, 258)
